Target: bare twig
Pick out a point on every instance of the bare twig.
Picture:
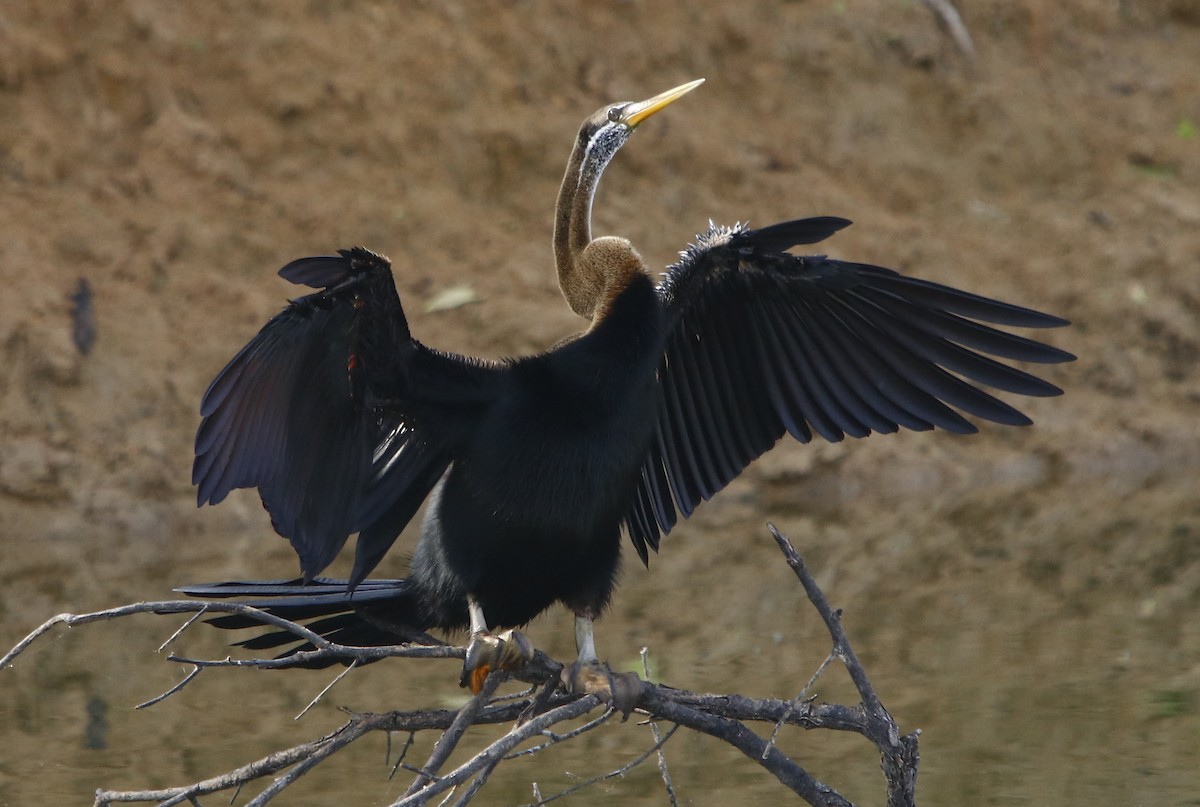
(322, 693)
(658, 739)
(499, 749)
(532, 714)
(160, 698)
(356, 728)
(900, 756)
(171, 639)
(555, 739)
(604, 777)
(265, 766)
(412, 736)
(325, 648)
(446, 744)
(740, 737)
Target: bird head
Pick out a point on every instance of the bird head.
(607, 129)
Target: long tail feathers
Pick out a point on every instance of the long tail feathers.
(372, 614)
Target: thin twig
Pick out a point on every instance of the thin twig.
(604, 777)
(499, 748)
(325, 648)
(812, 681)
(555, 739)
(450, 737)
(342, 738)
(265, 766)
(412, 736)
(740, 737)
(476, 785)
(160, 698)
(328, 687)
(833, 621)
(658, 739)
(900, 755)
(532, 714)
(523, 695)
(799, 698)
(182, 628)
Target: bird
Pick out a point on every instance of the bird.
(531, 469)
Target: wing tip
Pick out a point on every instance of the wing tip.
(318, 272)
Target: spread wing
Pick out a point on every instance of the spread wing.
(324, 411)
(763, 343)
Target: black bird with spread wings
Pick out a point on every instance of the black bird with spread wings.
(532, 467)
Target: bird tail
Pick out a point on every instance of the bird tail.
(372, 614)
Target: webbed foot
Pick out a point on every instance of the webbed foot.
(621, 691)
(507, 651)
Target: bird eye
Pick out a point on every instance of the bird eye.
(614, 114)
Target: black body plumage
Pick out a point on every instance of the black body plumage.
(533, 466)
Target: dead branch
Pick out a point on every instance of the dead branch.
(533, 716)
(900, 755)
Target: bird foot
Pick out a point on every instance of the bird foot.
(507, 651)
(621, 691)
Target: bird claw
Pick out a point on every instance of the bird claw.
(621, 691)
(507, 651)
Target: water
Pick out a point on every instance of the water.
(1043, 637)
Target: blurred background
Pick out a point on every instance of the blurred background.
(1029, 598)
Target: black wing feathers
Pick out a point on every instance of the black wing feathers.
(785, 235)
(269, 421)
(345, 423)
(322, 271)
(295, 415)
(762, 343)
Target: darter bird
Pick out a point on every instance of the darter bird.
(531, 468)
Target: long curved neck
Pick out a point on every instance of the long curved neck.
(572, 221)
(587, 276)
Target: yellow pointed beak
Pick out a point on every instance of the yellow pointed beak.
(638, 112)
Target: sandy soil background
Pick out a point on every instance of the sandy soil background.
(1030, 598)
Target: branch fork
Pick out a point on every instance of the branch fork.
(532, 715)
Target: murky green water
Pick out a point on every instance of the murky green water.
(1043, 638)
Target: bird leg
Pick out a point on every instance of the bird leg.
(587, 675)
(585, 640)
(509, 650)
